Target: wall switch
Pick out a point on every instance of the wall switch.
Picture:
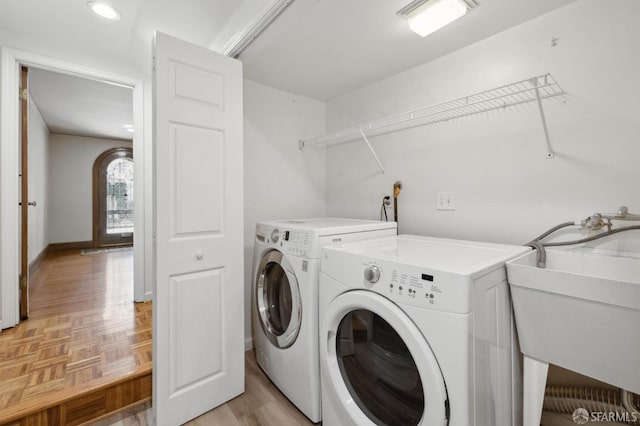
(445, 201)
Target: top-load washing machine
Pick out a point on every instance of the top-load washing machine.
(285, 299)
(418, 331)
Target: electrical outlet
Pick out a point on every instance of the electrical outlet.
(445, 201)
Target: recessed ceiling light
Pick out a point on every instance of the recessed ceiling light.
(428, 16)
(128, 128)
(104, 10)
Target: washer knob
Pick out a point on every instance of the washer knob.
(372, 274)
(275, 236)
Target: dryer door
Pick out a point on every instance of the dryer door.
(377, 364)
(278, 299)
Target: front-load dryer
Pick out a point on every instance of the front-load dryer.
(418, 331)
(285, 299)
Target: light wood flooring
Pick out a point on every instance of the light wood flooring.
(84, 336)
(260, 405)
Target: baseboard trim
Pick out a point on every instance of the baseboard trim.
(36, 263)
(248, 344)
(73, 245)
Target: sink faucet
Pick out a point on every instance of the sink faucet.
(595, 222)
(600, 220)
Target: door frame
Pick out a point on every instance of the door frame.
(23, 292)
(12, 60)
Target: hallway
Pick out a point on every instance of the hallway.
(85, 350)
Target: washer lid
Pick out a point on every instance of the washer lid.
(378, 365)
(447, 255)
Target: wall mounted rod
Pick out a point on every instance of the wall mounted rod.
(550, 153)
(372, 151)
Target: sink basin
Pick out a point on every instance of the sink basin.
(582, 312)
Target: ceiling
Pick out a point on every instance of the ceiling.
(325, 48)
(316, 48)
(78, 106)
(69, 29)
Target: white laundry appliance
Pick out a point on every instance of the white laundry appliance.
(418, 331)
(285, 299)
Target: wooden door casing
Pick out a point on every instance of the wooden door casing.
(24, 190)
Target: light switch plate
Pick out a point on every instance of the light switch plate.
(445, 201)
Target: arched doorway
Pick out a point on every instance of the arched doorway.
(113, 198)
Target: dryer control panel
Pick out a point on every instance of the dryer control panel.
(295, 242)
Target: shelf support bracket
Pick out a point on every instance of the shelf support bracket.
(372, 151)
(550, 153)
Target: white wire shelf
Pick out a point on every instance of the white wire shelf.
(534, 89)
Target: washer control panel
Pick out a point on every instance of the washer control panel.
(402, 283)
(412, 285)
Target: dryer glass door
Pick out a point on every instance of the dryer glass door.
(382, 363)
(278, 299)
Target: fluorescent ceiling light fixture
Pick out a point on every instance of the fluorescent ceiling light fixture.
(428, 16)
(104, 10)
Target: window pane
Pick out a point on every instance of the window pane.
(120, 196)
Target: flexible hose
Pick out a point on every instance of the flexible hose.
(536, 244)
(628, 401)
(541, 257)
(554, 229)
(593, 237)
(566, 399)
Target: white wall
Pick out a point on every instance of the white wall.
(281, 181)
(71, 161)
(505, 189)
(38, 153)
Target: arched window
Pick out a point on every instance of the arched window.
(113, 198)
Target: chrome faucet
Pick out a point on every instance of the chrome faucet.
(600, 220)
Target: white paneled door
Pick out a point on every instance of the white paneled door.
(198, 343)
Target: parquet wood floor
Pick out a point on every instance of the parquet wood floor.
(84, 335)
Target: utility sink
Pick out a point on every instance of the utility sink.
(581, 312)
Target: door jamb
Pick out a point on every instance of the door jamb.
(12, 59)
(23, 292)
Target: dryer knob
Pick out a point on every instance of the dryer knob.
(275, 236)
(372, 274)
